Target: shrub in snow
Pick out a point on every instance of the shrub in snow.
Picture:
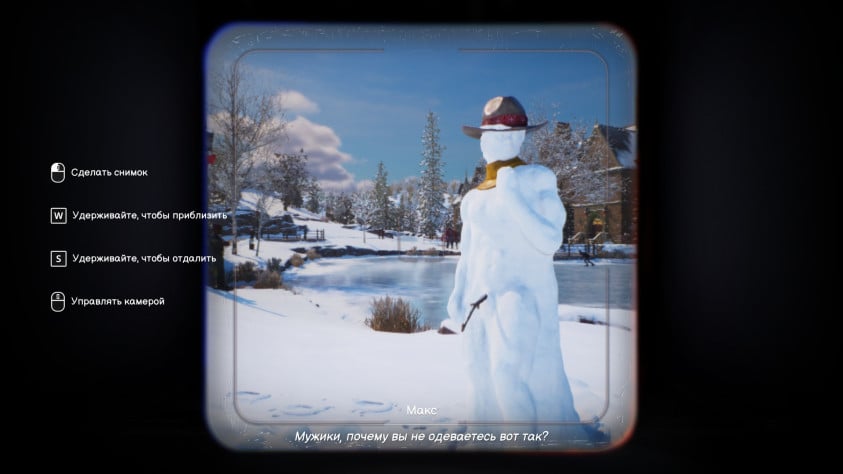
(395, 315)
(312, 254)
(275, 265)
(268, 279)
(246, 271)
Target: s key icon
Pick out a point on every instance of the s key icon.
(57, 172)
(57, 301)
(58, 258)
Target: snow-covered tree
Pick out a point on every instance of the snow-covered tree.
(338, 208)
(431, 185)
(265, 199)
(242, 122)
(361, 206)
(453, 187)
(579, 164)
(477, 176)
(315, 197)
(406, 210)
(293, 178)
(331, 199)
(381, 212)
(577, 161)
(399, 214)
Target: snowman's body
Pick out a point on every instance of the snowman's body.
(511, 229)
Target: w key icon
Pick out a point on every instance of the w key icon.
(58, 215)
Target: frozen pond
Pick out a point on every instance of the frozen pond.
(427, 281)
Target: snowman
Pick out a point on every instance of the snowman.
(505, 283)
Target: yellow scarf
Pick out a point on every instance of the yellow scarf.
(492, 171)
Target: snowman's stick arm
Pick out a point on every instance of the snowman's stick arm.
(474, 306)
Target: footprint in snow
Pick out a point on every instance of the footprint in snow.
(251, 397)
(367, 406)
(302, 410)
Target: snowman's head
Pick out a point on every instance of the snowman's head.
(501, 143)
(502, 129)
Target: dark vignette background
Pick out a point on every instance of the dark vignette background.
(736, 221)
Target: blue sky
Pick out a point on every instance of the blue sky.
(356, 95)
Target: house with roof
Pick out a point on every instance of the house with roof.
(613, 218)
(592, 217)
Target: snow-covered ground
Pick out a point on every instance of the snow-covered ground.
(289, 370)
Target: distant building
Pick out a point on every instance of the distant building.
(615, 218)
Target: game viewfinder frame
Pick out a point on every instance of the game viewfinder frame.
(294, 366)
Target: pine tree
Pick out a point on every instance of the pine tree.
(293, 178)
(361, 206)
(431, 185)
(314, 196)
(381, 205)
(406, 215)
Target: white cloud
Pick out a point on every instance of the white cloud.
(365, 185)
(324, 159)
(296, 102)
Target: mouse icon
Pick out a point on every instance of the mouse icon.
(57, 301)
(57, 172)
